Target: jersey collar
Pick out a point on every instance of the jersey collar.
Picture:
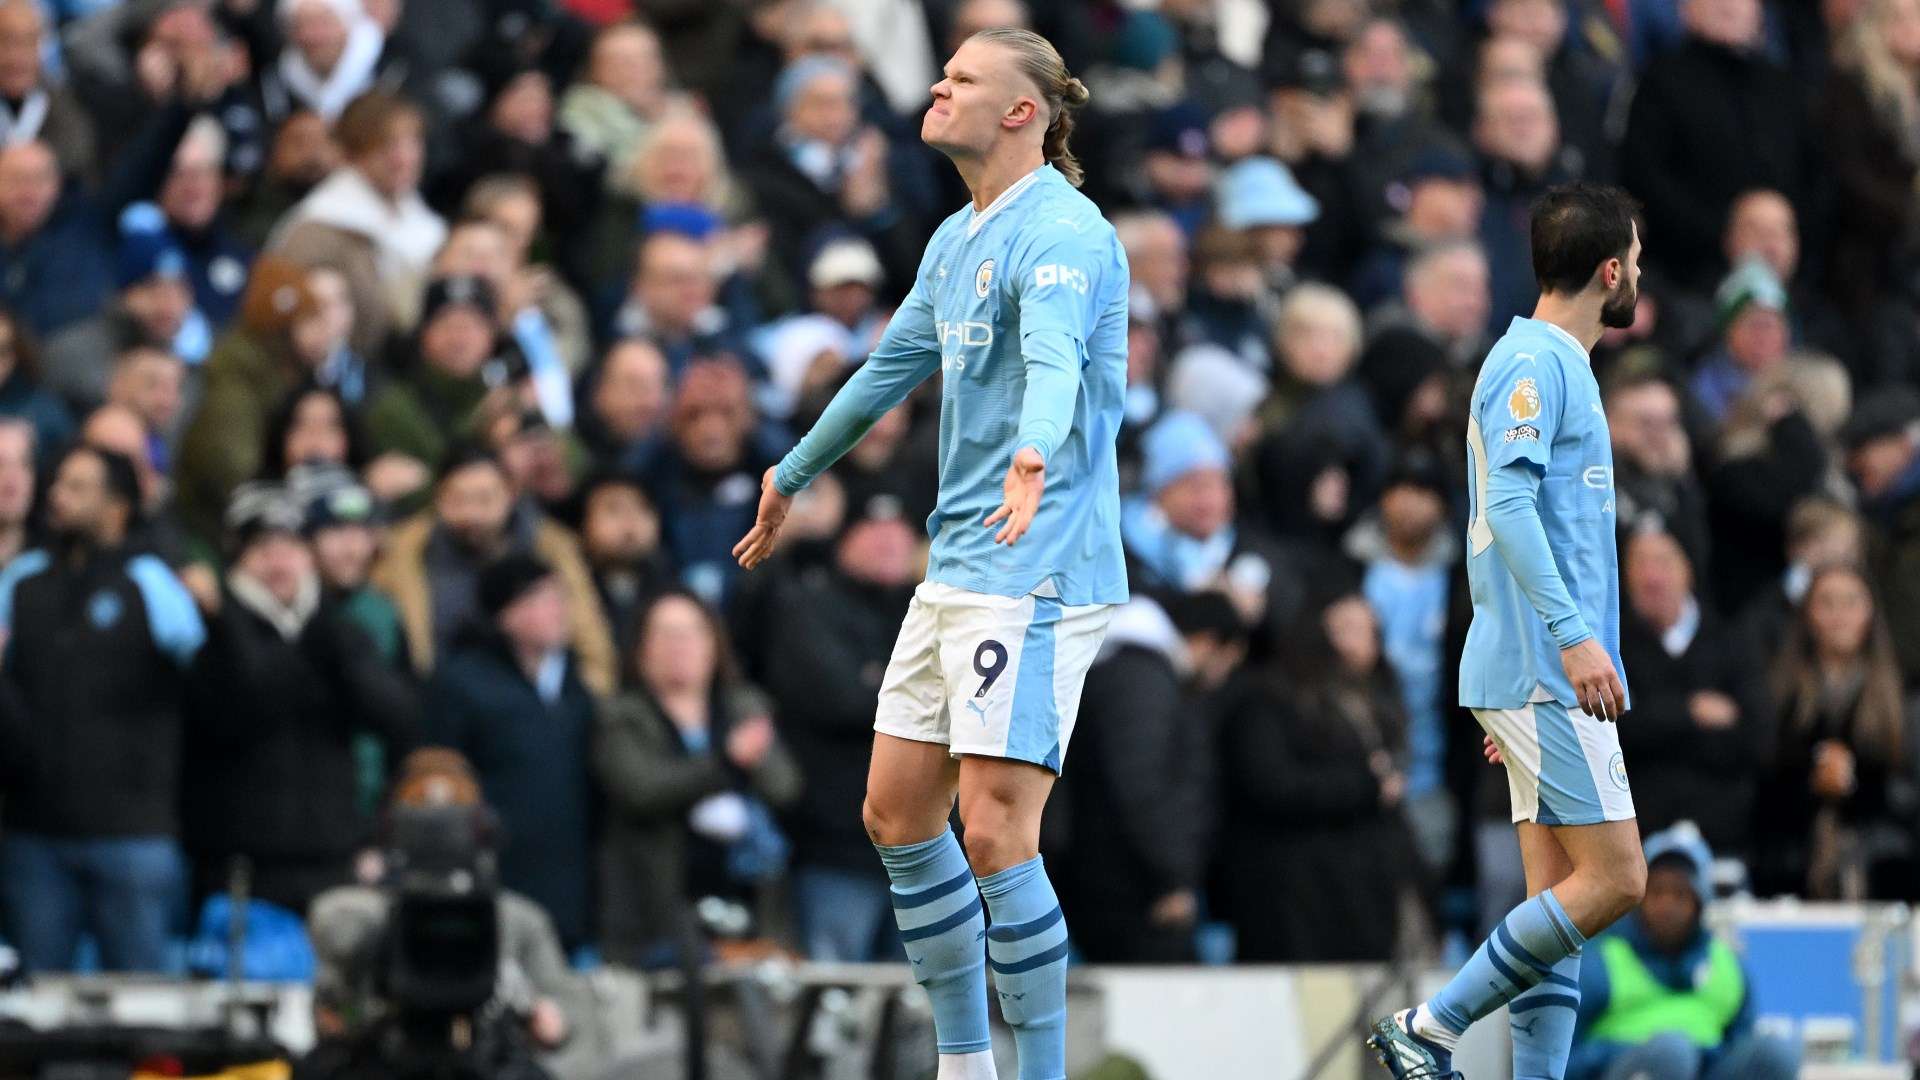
(1013, 192)
(1560, 332)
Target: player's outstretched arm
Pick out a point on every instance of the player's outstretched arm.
(1513, 516)
(907, 353)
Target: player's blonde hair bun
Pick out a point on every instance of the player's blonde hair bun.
(1059, 91)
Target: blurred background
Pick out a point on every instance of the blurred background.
(383, 384)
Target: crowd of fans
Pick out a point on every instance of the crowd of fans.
(384, 375)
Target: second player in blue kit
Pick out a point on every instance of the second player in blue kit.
(1541, 665)
(1021, 303)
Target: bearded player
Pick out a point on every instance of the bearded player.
(1541, 668)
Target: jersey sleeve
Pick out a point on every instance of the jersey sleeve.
(1518, 408)
(1056, 278)
(1518, 405)
(906, 354)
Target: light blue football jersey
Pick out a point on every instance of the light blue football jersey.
(1537, 406)
(1023, 307)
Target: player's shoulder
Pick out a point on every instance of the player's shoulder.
(1520, 365)
(1060, 213)
(1527, 347)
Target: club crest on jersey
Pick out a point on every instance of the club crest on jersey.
(983, 279)
(1524, 402)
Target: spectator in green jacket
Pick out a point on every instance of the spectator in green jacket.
(1663, 999)
(432, 403)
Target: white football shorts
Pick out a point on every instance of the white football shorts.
(1563, 766)
(993, 676)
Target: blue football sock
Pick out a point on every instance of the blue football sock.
(1541, 1020)
(1523, 950)
(1027, 946)
(937, 906)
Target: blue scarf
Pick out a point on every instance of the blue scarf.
(1173, 556)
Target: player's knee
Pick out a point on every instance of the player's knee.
(889, 825)
(996, 836)
(992, 846)
(1629, 881)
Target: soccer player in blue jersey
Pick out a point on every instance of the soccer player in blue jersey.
(1021, 303)
(1541, 668)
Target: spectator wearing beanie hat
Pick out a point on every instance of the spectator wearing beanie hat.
(1407, 550)
(344, 523)
(288, 684)
(153, 307)
(823, 171)
(1181, 537)
(254, 367)
(438, 392)
(510, 698)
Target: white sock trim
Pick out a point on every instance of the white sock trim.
(975, 1066)
(1427, 1026)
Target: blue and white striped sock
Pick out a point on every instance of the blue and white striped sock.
(937, 907)
(1027, 946)
(1520, 954)
(1542, 1020)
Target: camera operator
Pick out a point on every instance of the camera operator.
(413, 980)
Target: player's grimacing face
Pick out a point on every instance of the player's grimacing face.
(978, 89)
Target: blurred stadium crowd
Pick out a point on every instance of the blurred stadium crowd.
(387, 377)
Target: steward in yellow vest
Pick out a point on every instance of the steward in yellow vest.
(1660, 997)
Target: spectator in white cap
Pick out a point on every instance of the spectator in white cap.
(802, 353)
(809, 351)
(1259, 196)
(1219, 388)
(845, 280)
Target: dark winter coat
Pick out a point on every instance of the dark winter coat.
(532, 760)
(270, 770)
(1708, 123)
(824, 663)
(1138, 799)
(651, 782)
(1679, 769)
(1310, 864)
(99, 652)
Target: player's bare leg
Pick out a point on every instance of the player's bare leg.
(1608, 876)
(910, 790)
(1000, 806)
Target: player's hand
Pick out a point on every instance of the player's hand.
(1026, 479)
(1491, 749)
(753, 549)
(1594, 681)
